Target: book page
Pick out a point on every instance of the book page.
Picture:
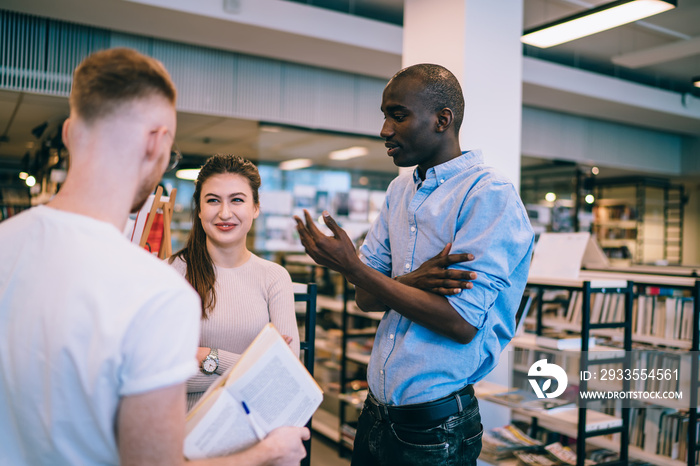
(277, 388)
(273, 383)
(226, 430)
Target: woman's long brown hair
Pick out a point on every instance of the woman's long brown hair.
(200, 268)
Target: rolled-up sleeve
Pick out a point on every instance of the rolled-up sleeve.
(491, 226)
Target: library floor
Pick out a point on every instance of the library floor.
(325, 453)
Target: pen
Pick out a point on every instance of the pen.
(256, 428)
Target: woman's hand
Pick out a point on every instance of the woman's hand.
(288, 339)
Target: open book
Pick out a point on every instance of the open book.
(270, 381)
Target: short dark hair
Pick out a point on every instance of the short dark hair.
(107, 79)
(442, 89)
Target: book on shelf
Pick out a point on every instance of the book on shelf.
(347, 433)
(512, 398)
(663, 316)
(673, 436)
(562, 341)
(595, 420)
(523, 310)
(549, 405)
(267, 388)
(527, 399)
(502, 442)
(554, 454)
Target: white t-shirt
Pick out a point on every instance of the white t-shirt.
(85, 318)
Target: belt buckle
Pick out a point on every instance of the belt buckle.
(380, 411)
(384, 412)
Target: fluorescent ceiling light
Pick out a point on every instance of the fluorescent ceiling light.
(270, 129)
(349, 153)
(295, 164)
(602, 18)
(696, 81)
(187, 173)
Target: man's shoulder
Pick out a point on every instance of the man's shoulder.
(482, 177)
(146, 267)
(18, 221)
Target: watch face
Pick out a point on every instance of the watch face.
(209, 365)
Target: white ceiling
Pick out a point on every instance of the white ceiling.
(665, 49)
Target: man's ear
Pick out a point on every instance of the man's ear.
(64, 133)
(154, 142)
(445, 117)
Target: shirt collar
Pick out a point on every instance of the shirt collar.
(452, 167)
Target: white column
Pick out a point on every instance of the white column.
(479, 41)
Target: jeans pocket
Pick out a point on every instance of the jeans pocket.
(471, 448)
(424, 439)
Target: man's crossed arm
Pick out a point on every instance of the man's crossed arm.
(418, 295)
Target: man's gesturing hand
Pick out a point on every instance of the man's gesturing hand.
(335, 252)
(433, 275)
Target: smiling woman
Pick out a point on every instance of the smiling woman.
(240, 292)
(227, 212)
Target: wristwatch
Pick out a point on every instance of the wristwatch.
(211, 362)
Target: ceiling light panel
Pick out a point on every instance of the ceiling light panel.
(596, 20)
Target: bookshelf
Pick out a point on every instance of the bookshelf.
(655, 288)
(639, 219)
(343, 352)
(358, 330)
(611, 285)
(353, 323)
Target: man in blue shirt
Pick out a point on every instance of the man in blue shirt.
(444, 325)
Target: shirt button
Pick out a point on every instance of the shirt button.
(381, 371)
(391, 337)
(442, 180)
(413, 228)
(408, 266)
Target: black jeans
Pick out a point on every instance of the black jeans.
(456, 441)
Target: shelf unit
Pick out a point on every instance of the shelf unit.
(587, 287)
(691, 284)
(588, 283)
(353, 324)
(643, 215)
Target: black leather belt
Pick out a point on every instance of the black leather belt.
(422, 413)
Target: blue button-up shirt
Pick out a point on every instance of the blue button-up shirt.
(467, 203)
